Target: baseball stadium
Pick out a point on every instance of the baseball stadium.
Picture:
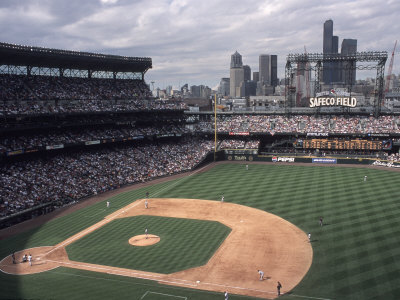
(109, 193)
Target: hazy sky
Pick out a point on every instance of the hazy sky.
(191, 41)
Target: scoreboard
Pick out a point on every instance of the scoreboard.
(344, 144)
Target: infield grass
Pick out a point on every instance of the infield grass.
(356, 252)
(184, 244)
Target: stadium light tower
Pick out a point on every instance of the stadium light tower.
(152, 85)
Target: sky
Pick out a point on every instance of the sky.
(191, 41)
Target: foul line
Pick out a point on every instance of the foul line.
(168, 295)
(123, 272)
(307, 297)
(92, 228)
(179, 180)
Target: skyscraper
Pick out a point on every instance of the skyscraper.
(348, 74)
(247, 72)
(236, 75)
(256, 76)
(274, 70)
(329, 44)
(334, 72)
(268, 73)
(264, 73)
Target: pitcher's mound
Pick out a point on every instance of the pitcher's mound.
(141, 240)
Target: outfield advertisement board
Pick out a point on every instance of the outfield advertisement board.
(282, 159)
(324, 160)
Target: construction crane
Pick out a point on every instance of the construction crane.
(389, 75)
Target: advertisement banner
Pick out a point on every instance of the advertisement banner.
(52, 147)
(324, 160)
(15, 152)
(282, 159)
(92, 142)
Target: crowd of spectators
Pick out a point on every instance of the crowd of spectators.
(62, 137)
(48, 95)
(21, 87)
(302, 124)
(66, 178)
(36, 107)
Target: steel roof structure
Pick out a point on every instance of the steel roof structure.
(18, 55)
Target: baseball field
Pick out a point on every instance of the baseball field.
(198, 247)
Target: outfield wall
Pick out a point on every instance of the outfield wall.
(250, 155)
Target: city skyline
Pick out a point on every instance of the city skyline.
(192, 42)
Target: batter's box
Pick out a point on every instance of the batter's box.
(160, 296)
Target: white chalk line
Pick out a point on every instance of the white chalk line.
(307, 297)
(154, 277)
(168, 295)
(92, 228)
(174, 183)
(124, 272)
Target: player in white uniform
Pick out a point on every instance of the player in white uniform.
(30, 259)
(309, 237)
(226, 295)
(365, 178)
(146, 204)
(261, 274)
(108, 204)
(145, 232)
(222, 198)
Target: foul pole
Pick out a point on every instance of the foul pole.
(215, 127)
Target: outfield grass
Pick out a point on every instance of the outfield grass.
(356, 254)
(184, 244)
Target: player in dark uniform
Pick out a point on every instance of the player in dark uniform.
(278, 287)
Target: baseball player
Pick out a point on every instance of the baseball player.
(226, 295)
(30, 259)
(145, 232)
(222, 198)
(261, 274)
(309, 237)
(321, 222)
(247, 167)
(278, 287)
(108, 204)
(146, 204)
(365, 178)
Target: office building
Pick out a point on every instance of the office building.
(348, 70)
(247, 72)
(236, 75)
(224, 87)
